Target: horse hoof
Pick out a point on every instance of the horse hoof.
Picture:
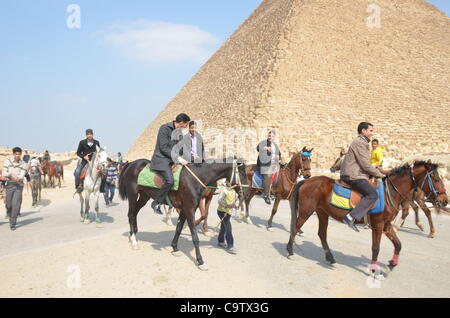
(87, 221)
(203, 267)
(177, 253)
(431, 235)
(391, 265)
(270, 229)
(420, 226)
(134, 247)
(291, 257)
(208, 233)
(248, 221)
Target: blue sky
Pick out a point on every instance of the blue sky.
(114, 74)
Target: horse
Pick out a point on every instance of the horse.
(187, 198)
(96, 169)
(337, 164)
(59, 172)
(36, 186)
(49, 170)
(312, 195)
(432, 186)
(287, 178)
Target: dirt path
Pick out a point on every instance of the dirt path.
(51, 249)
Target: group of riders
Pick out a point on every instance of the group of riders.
(172, 147)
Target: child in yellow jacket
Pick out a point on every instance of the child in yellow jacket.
(376, 156)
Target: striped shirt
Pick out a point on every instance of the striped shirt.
(11, 166)
(111, 174)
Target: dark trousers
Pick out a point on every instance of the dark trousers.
(369, 197)
(77, 173)
(267, 183)
(13, 202)
(225, 229)
(168, 183)
(110, 188)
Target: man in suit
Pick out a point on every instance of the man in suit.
(269, 158)
(86, 148)
(166, 154)
(193, 147)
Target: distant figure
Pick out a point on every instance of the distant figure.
(376, 155)
(46, 156)
(111, 179)
(119, 161)
(14, 170)
(26, 157)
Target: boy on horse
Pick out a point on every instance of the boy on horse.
(356, 170)
(86, 148)
(268, 160)
(166, 154)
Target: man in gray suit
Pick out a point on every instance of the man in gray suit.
(193, 147)
(166, 154)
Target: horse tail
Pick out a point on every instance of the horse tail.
(122, 186)
(294, 204)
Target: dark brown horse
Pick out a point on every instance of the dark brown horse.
(313, 195)
(187, 198)
(287, 179)
(432, 186)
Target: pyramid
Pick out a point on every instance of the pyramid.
(314, 69)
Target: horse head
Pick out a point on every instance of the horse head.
(304, 161)
(337, 164)
(431, 182)
(100, 159)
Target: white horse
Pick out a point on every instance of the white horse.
(92, 181)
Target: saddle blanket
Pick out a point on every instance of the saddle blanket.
(258, 179)
(150, 178)
(345, 198)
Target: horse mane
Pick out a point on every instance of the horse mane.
(401, 170)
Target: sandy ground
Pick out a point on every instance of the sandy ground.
(53, 254)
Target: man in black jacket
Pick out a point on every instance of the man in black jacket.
(166, 154)
(268, 159)
(86, 148)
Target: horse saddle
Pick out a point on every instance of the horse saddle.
(344, 197)
(152, 179)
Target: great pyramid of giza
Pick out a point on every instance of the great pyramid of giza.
(314, 69)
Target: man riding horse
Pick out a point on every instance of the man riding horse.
(86, 148)
(268, 159)
(166, 154)
(356, 170)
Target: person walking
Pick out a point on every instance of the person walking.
(14, 170)
(227, 200)
(111, 179)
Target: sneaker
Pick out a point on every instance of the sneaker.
(156, 207)
(80, 188)
(232, 250)
(267, 199)
(350, 221)
(222, 244)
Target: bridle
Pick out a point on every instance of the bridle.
(431, 186)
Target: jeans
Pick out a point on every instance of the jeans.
(169, 181)
(77, 173)
(369, 197)
(13, 202)
(110, 188)
(225, 229)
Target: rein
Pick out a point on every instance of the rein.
(413, 179)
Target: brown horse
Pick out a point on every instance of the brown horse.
(313, 195)
(49, 170)
(287, 179)
(432, 186)
(59, 171)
